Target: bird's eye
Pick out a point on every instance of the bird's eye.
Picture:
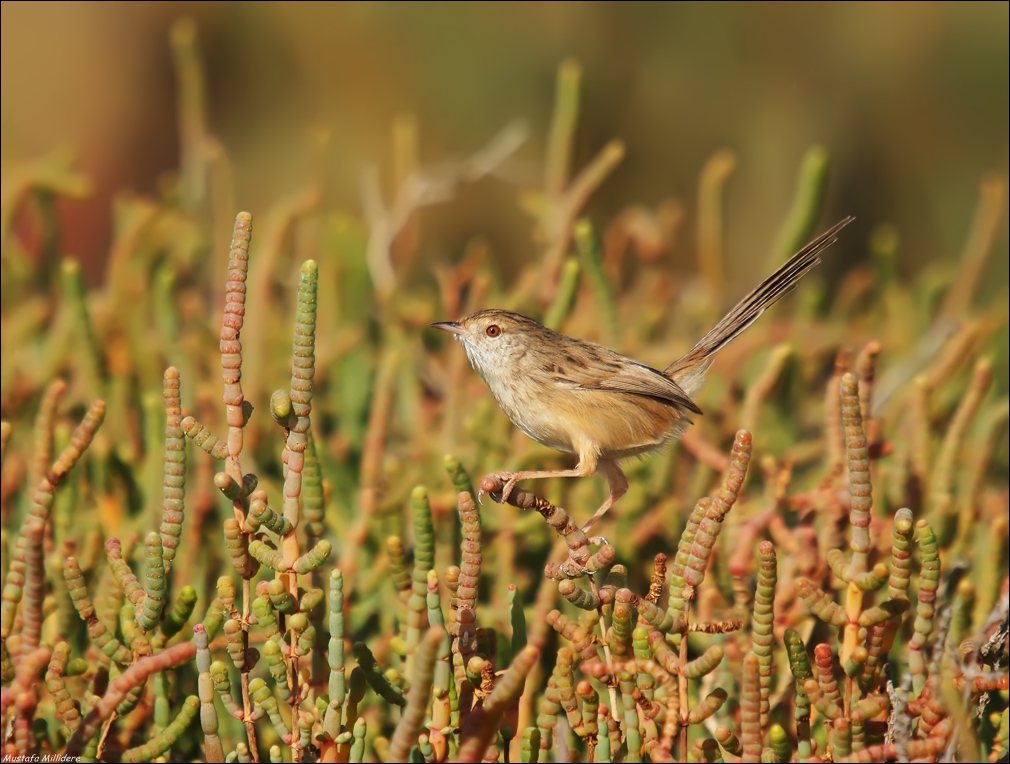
(493, 331)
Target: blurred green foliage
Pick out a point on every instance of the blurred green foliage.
(911, 100)
(341, 495)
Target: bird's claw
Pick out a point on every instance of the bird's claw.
(576, 568)
(507, 481)
(506, 491)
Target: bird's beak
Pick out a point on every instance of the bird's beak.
(452, 327)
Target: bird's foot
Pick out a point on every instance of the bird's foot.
(575, 567)
(499, 485)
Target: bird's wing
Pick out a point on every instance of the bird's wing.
(600, 369)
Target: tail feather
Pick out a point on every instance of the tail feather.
(689, 370)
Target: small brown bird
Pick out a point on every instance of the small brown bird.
(585, 399)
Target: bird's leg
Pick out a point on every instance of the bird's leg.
(509, 479)
(618, 485)
(585, 468)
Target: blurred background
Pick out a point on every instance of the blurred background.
(909, 99)
(437, 158)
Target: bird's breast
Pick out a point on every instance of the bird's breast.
(536, 416)
(610, 424)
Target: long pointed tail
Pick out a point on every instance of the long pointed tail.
(689, 370)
